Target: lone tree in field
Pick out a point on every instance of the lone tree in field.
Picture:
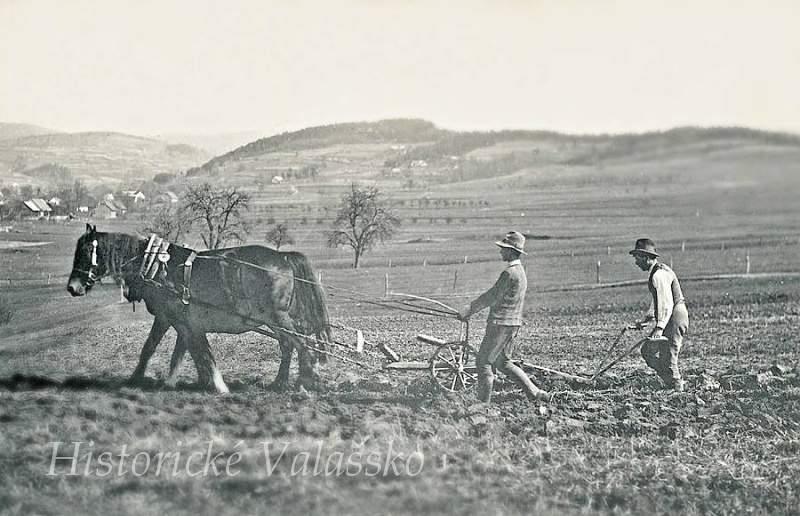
(279, 235)
(169, 224)
(364, 219)
(220, 212)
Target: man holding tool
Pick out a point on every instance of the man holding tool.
(668, 310)
(504, 300)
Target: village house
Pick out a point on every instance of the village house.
(38, 208)
(135, 196)
(110, 208)
(167, 197)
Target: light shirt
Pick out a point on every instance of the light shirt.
(666, 292)
(506, 297)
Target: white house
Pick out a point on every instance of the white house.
(137, 197)
(38, 208)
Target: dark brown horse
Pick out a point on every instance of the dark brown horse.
(231, 290)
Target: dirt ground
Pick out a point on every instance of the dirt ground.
(390, 443)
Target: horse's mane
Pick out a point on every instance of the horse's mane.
(121, 252)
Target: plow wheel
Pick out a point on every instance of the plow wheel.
(453, 367)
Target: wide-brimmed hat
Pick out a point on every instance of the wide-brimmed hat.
(513, 240)
(644, 246)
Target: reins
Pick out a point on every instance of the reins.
(360, 297)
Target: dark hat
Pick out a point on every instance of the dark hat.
(513, 240)
(644, 246)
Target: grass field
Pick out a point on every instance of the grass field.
(729, 445)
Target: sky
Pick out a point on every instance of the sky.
(593, 66)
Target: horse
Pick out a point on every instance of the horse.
(231, 290)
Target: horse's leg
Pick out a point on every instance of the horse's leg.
(181, 345)
(281, 381)
(207, 371)
(307, 372)
(157, 331)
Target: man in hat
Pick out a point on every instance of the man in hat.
(668, 310)
(504, 300)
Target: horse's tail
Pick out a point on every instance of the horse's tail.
(308, 306)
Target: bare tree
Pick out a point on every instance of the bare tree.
(279, 235)
(169, 224)
(9, 210)
(364, 219)
(220, 212)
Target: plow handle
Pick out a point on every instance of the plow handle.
(614, 362)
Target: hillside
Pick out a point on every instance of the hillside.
(408, 153)
(13, 131)
(94, 157)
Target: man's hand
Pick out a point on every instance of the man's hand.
(638, 325)
(657, 333)
(463, 314)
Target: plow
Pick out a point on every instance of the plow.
(452, 365)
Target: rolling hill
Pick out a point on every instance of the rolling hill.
(407, 152)
(13, 131)
(413, 157)
(94, 157)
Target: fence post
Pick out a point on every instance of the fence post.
(319, 277)
(455, 279)
(359, 341)
(465, 259)
(598, 271)
(386, 285)
(608, 250)
(670, 261)
(747, 263)
(48, 278)
(683, 245)
(390, 263)
(424, 262)
(121, 294)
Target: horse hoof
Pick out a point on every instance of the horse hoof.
(134, 381)
(310, 384)
(170, 385)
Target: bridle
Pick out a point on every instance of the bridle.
(91, 273)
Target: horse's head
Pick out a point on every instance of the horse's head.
(85, 269)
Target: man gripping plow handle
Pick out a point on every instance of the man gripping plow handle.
(505, 300)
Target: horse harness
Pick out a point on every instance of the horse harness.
(154, 266)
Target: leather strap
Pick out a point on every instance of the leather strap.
(187, 278)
